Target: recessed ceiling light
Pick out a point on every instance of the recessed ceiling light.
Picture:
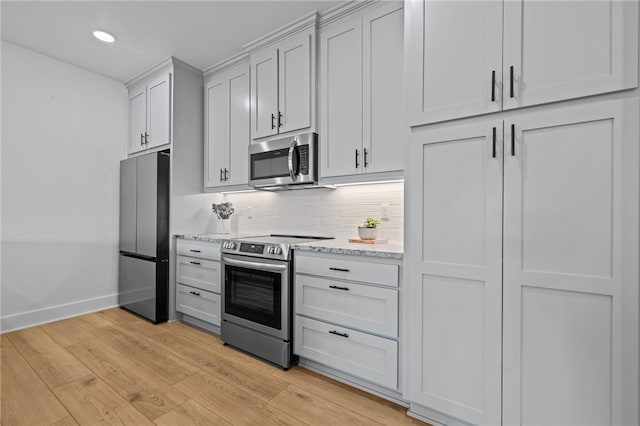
(104, 36)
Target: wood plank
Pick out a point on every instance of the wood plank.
(68, 332)
(91, 401)
(155, 359)
(67, 421)
(25, 398)
(96, 320)
(146, 329)
(364, 403)
(49, 360)
(150, 395)
(311, 408)
(190, 413)
(232, 403)
(214, 343)
(119, 316)
(256, 379)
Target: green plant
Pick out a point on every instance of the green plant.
(371, 223)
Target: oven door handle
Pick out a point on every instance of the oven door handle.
(255, 265)
(292, 173)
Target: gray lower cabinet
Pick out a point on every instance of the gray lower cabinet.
(346, 316)
(198, 278)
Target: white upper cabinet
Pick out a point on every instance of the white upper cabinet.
(294, 83)
(282, 76)
(264, 93)
(475, 57)
(341, 99)
(454, 59)
(137, 120)
(150, 114)
(227, 127)
(361, 100)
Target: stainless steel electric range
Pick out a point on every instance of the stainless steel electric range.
(257, 295)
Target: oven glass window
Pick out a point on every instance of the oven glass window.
(254, 295)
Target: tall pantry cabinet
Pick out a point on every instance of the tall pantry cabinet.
(522, 258)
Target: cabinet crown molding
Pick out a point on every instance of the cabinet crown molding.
(226, 64)
(343, 10)
(307, 21)
(164, 65)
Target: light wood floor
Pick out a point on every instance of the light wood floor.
(112, 367)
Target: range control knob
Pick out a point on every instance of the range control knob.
(278, 250)
(270, 249)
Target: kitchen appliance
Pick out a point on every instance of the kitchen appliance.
(143, 281)
(257, 295)
(285, 163)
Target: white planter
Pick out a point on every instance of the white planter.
(367, 233)
(223, 226)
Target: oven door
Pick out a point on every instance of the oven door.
(256, 294)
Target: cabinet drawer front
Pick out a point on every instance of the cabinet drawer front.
(200, 273)
(198, 303)
(202, 249)
(346, 269)
(372, 358)
(359, 306)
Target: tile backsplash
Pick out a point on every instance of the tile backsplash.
(324, 212)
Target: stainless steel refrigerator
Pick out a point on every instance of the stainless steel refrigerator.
(144, 236)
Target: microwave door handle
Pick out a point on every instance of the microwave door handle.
(254, 265)
(292, 148)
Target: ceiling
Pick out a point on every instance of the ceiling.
(200, 33)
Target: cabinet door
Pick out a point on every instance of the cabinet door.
(383, 102)
(454, 47)
(568, 49)
(159, 111)
(137, 120)
(216, 148)
(341, 99)
(264, 93)
(294, 83)
(237, 81)
(455, 264)
(571, 266)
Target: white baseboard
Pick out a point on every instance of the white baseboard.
(56, 313)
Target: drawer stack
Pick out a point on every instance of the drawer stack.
(198, 277)
(347, 315)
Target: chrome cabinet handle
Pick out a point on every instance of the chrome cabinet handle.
(146, 138)
(141, 139)
(365, 158)
(280, 119)
(357, 163)
(337, 333)
(225, 174)
(273, 121)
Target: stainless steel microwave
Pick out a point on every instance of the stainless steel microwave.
(286, 163)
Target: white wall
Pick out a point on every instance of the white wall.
(63, 134)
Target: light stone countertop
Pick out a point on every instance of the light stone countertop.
(390, 249)
(212, 238)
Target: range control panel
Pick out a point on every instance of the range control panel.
(265, 250)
